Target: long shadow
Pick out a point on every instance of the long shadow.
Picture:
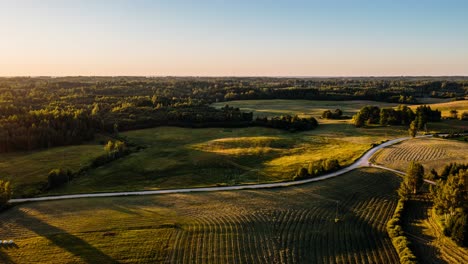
(324, 238)
(4, 258)
(61, 238)
(417, 211)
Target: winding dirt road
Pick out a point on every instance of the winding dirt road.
(361, 162)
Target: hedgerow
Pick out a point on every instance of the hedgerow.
(399, 240)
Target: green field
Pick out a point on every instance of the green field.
(28, 170)
(341, 220)
(183, 157)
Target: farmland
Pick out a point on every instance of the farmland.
(341, 220)
(433, 153)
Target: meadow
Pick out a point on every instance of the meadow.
(341, 220)
(182, 157)
(445, 107)
(432, 153)
(28, 171)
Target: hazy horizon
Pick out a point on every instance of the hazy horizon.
(234, 39)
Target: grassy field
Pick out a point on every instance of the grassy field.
(182, 157)
(431, 152)
(28, 170)
(301, 107)
(340, 220)
(461, 106)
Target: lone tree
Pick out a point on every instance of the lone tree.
(413, 129)
(414, 176)
(454, 114)
(5, 192)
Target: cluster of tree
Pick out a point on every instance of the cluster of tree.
(336, 114)
(317, 168)
(413, 180)
(454, 115)
(5, 193)
(114, 150)
(287, 122)
(402, 99)
(451, 201)
(402, 115)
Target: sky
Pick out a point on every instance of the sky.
(233, 38)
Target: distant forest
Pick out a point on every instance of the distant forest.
(42, 112)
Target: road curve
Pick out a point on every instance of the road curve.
(363, 161)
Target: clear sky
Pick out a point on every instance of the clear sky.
(235, 37)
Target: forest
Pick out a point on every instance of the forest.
(43, 112)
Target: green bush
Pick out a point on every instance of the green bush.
(58, 177)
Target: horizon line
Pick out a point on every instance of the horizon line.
(238, 76)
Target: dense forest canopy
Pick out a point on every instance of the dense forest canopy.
(49, 111)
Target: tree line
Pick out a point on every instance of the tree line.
(317, 168)
(450, 197)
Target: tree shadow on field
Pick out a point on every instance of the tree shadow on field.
(326, 222)
(4, 258)
(417, 212)
(62, 239)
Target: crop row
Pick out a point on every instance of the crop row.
(337, 221)
(412, 152)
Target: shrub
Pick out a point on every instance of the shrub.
(5, 192)
(58, 177)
